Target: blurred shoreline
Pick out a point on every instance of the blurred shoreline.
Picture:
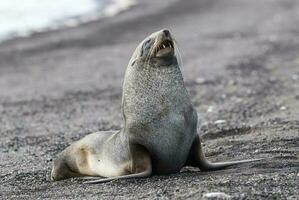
(122, 31)
(103, 9)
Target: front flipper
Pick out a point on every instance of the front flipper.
(197, 158)
(140, 167)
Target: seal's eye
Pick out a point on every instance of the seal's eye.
(145, 46)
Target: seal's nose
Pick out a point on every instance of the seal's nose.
(166, 32)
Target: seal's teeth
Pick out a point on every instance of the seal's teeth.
(164, 46)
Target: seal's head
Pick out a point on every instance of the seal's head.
(156, 48)
(152, 80)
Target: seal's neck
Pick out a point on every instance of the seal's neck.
(148, 90)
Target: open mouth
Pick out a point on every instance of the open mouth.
(165, 48)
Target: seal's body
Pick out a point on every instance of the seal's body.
(160, 130)
(158, 114)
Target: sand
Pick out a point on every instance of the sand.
(240, 64)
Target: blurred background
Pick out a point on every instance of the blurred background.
(62, 65)
(21, 19)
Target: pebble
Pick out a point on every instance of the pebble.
(200, 80)
(210, 109)
(216, 195)
(295, 77)
(220, 121)
(283, 108)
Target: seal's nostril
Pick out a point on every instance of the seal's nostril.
(166, 32)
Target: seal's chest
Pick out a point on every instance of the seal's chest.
(168, 139)
(171, 146)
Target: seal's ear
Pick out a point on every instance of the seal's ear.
(136, 54)
(133, 62)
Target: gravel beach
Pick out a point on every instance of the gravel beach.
(240, 65)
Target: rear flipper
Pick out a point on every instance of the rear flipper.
(197, 158)
(143, 174)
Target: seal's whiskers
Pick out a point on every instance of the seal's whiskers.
(177, 53)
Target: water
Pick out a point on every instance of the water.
(20, 18)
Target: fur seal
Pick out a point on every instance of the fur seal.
(160, 130)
